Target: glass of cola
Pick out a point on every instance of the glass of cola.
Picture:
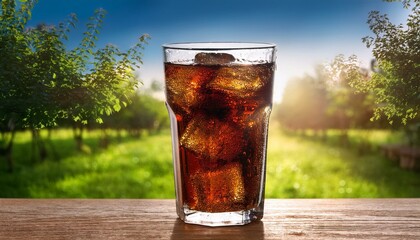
(219, 98)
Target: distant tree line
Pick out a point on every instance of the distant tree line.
(327, 100)
(145, 113)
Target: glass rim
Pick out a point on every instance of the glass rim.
(216, 46)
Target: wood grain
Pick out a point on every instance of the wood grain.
(156, 219)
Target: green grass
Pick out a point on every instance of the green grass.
(306, 167)
(297, 166)
(135, 168)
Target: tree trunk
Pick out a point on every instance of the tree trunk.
(104, 139)
(38, 146)
(344, 138)
(119, 135)
(78, 136)
(324, 135)
(50, 143)
(7, 151)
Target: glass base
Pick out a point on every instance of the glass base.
(221, 218)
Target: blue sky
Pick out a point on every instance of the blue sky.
(307, 32)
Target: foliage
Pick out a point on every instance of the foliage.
(16, 85)
(143, 113)
(304, 104)
(17, 88)
(349, 108)
(396, 83)
(105, 87)
(42, 82)
(326, 100)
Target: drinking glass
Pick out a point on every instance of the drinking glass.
(219, 98)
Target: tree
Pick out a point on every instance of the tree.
(348, 108)
(304, 103)
(144, 113)
(396, 48)
(16, 85)
(104, 78)
(42, 82)
(326, 100)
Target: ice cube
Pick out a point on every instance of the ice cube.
(241, 81)
(259, 118)
(184, 83)
(216, 104)
(242, 109)
(255, 130)
(213, 58)
(256, 133)
(220, 190)
(213, 140)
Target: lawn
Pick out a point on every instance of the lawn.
(307, 167)
(298, 167)
(132, 168)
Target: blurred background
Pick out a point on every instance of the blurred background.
(82, 110)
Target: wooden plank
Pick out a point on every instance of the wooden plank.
(156, 219)
(346, 218)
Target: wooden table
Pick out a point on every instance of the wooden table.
(156, 219)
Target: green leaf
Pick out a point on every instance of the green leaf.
(99, 120)
(54, 76)
(117, 107)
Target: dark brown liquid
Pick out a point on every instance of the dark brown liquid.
(222, 118)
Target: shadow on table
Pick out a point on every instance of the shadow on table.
(182, 230)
